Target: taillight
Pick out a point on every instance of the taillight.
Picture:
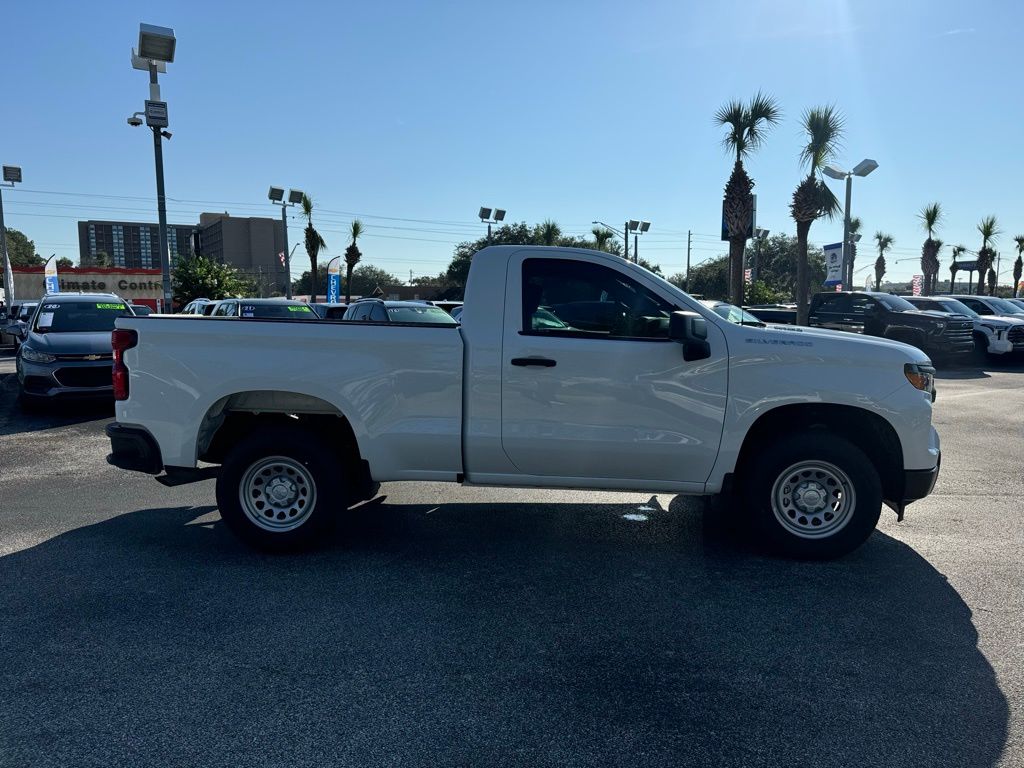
(122, 339)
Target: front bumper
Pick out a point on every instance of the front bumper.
(65, 379)
(133, 448)
(918, 483)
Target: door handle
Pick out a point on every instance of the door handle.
(542, 362)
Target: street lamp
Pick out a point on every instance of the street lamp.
(863, 168)
(485, 218)
(276, 196)
(12, 176)
(155, 52)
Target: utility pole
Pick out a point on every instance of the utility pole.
(689, 239)
(625, 238)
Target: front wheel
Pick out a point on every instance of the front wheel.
(280, 489)
(813, 496)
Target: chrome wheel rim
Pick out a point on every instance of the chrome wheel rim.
(277, 493)
(813, 499)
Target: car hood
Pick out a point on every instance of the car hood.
(1000, 321)
(82, 343)
(845, 344)
(929, 314)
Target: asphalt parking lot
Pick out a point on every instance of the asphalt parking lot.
(461, 626)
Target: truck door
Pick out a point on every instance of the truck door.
(591, 385)
(833, 311)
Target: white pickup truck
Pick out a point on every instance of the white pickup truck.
(571, 369)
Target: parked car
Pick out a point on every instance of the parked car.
(67, 351)
(141, 310)
(264, 309)
(197, 306)
(993, 334)
(457, 312)
(732, 313)
(448, 306)
(381, 311)
(812, 429)
(990, 305)
(330, 310)
(883, 315)
(1017, 302)
(21, 317)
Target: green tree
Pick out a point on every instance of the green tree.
(458, 269)
(710, 279)
(992, 279)
(989, 230)
(21, 251)
(746, 124)
(823, 127)
(352, 257)
(314, 241)
(547, 233)
(601, 237)
(759, 292)
(957, 251)
(303, 286)
(366, 278)
(198, 277)
(64, 263)
(930, 217)
(883, 242)
(1018, 265)
(777, 264)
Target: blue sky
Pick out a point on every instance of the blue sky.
(412, 115)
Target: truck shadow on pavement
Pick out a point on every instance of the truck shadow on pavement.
(479, 634)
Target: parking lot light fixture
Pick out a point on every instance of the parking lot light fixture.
(863, 168)
(486, 217)
(276, 196)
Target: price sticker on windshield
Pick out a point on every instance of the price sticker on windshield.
(299, 309)
(45, 319)
(110, 306)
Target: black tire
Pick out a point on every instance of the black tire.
(838, 463)
(287, 455)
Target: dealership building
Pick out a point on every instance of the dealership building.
(137, 286)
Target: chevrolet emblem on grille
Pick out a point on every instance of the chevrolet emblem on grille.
(93, 357)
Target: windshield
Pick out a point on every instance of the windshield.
(952, 305)
(280, 311)
(894, 303)
(736, 315)
(79, 316)
(420, 314)
(26, 311)
(1005, 307)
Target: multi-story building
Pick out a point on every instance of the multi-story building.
(130, 244)
(251, 244)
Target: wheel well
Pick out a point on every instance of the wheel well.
(868, 431)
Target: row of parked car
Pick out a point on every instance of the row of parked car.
(366, 309)
(945, 327)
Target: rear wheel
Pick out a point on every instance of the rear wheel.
(813, 496)
(280, 489)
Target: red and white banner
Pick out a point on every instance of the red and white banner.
(839, 287)
(916, 284)
(746, 275)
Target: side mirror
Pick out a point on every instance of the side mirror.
(690, 330)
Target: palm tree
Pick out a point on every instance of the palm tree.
(989, 231)
(314, 241)
(548, 232)
(747, 125)
(930, 216)
(1018, 265)
(601, 236)
(957, 250)
(812, 199)
(884, 243)
(352, 257)
(855, 225)
(991, 282)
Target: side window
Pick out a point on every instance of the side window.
(840, 302)
(564, 296)
(862, 305)
(978, 306)
(378, 314)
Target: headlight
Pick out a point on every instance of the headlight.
(920, 376)
(35, 356)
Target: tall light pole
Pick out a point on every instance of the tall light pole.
(863, 168)
(12, 176)
(485, 218)
(156, 51)
(276, 196)
(637, 228)
(760, 235)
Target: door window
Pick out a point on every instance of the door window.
(839, 302)
(978, 306)
(576, 298)
(862, 306)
